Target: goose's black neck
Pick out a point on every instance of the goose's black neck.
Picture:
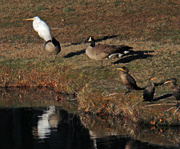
(48, 41)
(92, 43)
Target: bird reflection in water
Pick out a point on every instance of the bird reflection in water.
(47, 121)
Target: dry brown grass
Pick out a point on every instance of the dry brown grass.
(150, 27)
(73, 21)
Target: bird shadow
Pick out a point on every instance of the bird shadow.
(162, 97)
(69, 55)
(106, 37)
(133, 56)
(99, 39)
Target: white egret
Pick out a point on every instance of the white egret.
(44, 128)
(42, 28)
(51, 46)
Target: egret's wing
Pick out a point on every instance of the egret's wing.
(43, 30)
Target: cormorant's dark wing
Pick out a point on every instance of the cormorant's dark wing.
(131, 81)
(148, 93)
(176, 92)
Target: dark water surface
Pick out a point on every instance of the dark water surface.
(53, 127)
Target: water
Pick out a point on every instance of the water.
(53, 127)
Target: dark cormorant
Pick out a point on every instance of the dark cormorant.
(175, 88)
(148, 93)
(128, 80)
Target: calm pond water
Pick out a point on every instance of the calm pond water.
(53, 127)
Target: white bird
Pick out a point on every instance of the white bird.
(44, 128)
(51, 45)
(42, 28)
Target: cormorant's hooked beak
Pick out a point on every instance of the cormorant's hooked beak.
(167, 82)
(153, 78)
(120, 69)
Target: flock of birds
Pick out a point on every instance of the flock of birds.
(148, 91)
(99, 52)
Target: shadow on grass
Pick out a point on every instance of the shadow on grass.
(162, 97)
(69, 55)
(100, 39)
(106, 37)
(134, 55)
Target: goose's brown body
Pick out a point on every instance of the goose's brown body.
(101, 51)
(52, 47)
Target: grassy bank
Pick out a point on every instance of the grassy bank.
(98, 90)
(73, 21)
(150, 27)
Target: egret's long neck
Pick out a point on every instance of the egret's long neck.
(35, 26)
(48, 38)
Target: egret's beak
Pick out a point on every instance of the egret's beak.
(30, 19)
(167, 82)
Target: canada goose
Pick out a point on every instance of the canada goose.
(52, 47)
(175, 88)
(128, 80)
(101, 51)
(148, 93)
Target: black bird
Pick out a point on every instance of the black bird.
(128, 80)
(175, 88)
(148, 93)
